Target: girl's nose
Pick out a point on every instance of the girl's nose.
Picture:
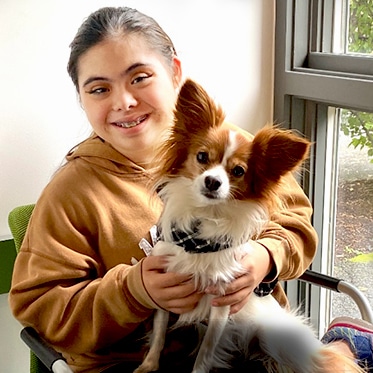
(123, 100)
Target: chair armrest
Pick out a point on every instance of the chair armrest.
(319, 279)
(341, 286)
(53, 360)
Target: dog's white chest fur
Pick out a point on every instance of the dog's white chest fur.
(217, 268)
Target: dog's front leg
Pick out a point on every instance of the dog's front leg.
(157, 340)
(217, 321)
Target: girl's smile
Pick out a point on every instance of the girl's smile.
(130, 124)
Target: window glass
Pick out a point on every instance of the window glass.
(360, 27)
(353, 256)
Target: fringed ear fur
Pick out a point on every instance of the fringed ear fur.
(194, 114)
(277, 152)
(195, 109)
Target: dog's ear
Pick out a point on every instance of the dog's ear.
(195, 109)
(277, 152)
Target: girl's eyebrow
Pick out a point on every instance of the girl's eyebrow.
(93, 79)
(102, 78)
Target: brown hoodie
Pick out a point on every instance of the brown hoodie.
(73, 280)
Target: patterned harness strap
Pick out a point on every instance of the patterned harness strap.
(192, 244)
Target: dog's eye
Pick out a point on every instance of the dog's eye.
(203, 157)
(238, 171)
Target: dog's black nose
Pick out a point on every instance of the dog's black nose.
(212, 183)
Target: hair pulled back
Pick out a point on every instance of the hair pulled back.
(117, 21)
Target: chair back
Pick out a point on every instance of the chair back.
(18, 220)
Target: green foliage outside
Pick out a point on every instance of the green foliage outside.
(359, 125)
(360, 35)
(363, 258)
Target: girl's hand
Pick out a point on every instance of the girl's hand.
(173, 292)
(258, 264)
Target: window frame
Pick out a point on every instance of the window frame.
(309, 82)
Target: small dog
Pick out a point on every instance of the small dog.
(218, 189)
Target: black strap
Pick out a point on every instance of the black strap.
(265, 288)
(192, 244)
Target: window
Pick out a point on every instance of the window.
(353, 259)
(324, 89)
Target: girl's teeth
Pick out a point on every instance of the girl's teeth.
(127, 124)
(130, 124)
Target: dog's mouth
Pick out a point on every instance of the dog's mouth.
(131, 124)
(213, 197)
(210, 195)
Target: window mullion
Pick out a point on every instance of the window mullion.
(335, 90)
(339, 63)
(327, 25)
(300, 33)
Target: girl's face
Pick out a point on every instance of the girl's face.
(128, 92)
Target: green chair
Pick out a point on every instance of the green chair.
(18, 221)
(43, 358)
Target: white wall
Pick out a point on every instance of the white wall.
(227, 45)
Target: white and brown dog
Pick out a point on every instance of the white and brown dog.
(219, 189)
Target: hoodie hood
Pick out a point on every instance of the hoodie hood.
(100, 153)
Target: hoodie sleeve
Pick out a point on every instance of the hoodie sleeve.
(65, 310)
(61, 284)
(289, 236)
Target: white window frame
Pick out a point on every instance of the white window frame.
(310, 81)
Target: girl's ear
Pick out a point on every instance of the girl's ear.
(177, 72)
(80, 102)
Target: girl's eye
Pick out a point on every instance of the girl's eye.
(98, 91)
(140, 78)
(203, 157)
(238, 171)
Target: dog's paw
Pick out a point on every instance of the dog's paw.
(199, 370)
(147, 367)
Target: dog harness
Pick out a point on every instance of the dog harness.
(190, 242)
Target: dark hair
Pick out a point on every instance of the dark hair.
(111, 21)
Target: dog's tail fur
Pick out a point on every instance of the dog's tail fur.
(327, 360)
(286, 344)
(330, 359)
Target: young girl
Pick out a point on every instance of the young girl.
(74, 281)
